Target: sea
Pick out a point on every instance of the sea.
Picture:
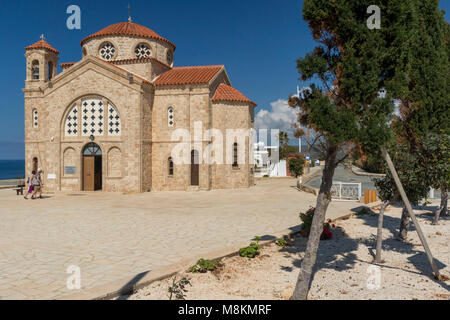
(12, 169)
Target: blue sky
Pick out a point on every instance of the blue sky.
(257, 40)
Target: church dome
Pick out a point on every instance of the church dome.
(127, 29)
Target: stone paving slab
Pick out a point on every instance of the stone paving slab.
(113, 236)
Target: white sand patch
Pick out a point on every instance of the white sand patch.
(342, 268)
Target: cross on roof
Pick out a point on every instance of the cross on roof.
(129, 13)
(42, 37)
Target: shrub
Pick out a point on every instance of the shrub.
(178, 288)
(249, 252)
(307, 219)
(362, 212)
(296, 166)
(281, 242)
(203, 266)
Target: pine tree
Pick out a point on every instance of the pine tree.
(424, 108)
(352, 64)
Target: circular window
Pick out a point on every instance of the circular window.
(107, 51)
(143, 51)
(169, 58)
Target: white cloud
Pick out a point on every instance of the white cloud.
(280, 116)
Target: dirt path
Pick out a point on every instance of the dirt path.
(344, 267)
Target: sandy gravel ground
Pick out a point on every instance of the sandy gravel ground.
(345, 269)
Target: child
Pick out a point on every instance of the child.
(30, 184)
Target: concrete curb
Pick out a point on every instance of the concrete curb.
(130, 285)
(361, 172)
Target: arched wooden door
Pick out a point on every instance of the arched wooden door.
(195, 181)
(92, 167)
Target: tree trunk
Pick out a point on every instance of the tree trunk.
(323, 200)
(404, 225)
(380, 231)
(443, 207)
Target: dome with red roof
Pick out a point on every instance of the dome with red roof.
(127, 29)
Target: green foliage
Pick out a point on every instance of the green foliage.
(281, 243)
(412, 173)
(362, 212)
(435, 153)
(203, 266)
(296, 165)
(257, 238)
(249, 252)
(307, 219)
(285, 148)
(178, 288)
(352, 64)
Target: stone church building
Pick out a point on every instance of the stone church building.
(106, 122)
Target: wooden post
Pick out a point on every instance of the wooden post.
(366, 196)
(373, 197)
(402, 192)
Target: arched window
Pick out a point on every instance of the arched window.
(35, 70)
(169, 58)
(235, 155)
(92, 149)
(35, 118)
(171, 117)
(170, 163)
(71, 126)
(50, 70)
(96, 117)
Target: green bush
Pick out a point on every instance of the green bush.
(281, 242)
(307, 219)
(203, 266)
(249, 252)
(296, 166)
(363, 211)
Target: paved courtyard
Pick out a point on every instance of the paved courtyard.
(112, 236)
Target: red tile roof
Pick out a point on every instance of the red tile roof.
(123, 70)
(42, 44)
(227, 93)
(127, 29)
(139, 60)
(66, 64)
(188, 75)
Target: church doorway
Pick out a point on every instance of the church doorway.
(92, 167)
(195, 181)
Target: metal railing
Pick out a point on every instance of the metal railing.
(346, 191)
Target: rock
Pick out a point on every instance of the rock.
(286, 294)
(438, 233)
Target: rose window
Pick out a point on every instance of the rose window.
(107, 51)
(143, 51)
